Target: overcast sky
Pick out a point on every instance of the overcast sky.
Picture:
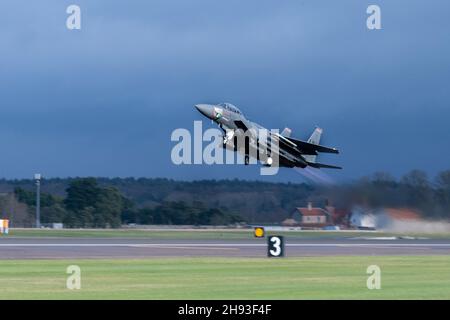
(103, 100)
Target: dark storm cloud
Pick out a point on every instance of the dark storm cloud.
(104, 100)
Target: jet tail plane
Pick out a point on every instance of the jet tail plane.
(311, 159)
(321, 165)
(314, 139)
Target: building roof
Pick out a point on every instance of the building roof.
(402, 214)
(312, 211)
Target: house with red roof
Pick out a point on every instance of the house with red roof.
(311, 217)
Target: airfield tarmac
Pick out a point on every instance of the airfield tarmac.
(131, 248)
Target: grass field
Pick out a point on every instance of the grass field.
(407, 277)
(197, 234)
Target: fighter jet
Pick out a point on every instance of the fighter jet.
(291, 152)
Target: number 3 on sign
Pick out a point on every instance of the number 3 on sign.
(275, 246)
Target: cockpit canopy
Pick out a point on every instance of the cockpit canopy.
(230, 107)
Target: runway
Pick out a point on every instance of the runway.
(79, 248)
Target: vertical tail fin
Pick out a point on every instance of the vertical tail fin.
(315, 136)
(286, 132)
(314, 139)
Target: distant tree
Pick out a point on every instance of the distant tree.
(85, 218)
(82, 193)
(145, 216)
(54, 213)
(17, 212)
(29, 197)
(177, 213)
(90, 205)
(129, 211)
(443, 180)
(383, 178)
(108, 208)
(25, 196)
(418, 192)
(443, 192)
(416, 179)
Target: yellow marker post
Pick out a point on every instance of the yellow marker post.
(4, 226)
(259, 232)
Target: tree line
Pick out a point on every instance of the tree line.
(89, 205)
(110, 202)
(430, 197)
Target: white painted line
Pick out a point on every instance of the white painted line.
(191, 248)
(186, 245)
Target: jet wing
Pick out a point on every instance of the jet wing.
(310, 148)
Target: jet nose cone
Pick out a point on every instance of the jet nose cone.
(206, 109)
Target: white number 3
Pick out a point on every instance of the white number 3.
(277, 245)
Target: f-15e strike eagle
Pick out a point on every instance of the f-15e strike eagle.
(290, 152)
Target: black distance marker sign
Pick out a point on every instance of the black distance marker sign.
(275, 246)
